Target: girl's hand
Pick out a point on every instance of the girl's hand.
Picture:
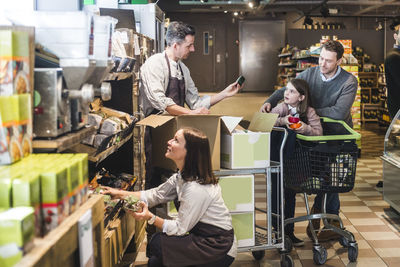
(286, 120)
(144, 214)
(114, 193)
(300, 129)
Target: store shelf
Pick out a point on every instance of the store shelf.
(285, 55)
(99, 157)
(286, 64)
(306, 57)
(287, 75)
(62, 143)
(61, 246)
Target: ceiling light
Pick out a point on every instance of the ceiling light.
(235, 13)
(226, 11)
(251, 4)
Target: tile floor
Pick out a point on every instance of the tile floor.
(375, 226)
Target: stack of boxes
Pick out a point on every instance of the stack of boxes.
(15, 98)
(231, 147)
(51, 191)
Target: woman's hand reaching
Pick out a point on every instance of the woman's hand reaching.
(114, 193)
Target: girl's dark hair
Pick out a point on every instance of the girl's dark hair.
(303, 89)
(198, 157)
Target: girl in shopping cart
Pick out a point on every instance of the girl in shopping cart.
(296, 113)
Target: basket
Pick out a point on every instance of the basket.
(323, 164)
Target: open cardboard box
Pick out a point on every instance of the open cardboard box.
(165, 126)
(247, 148)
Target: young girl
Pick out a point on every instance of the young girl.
(297, 104)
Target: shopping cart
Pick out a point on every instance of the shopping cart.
(324, 164)
(268, 236)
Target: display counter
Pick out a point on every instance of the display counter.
(391, 164)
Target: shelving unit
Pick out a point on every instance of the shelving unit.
(99, 157)
(61, 245)
(63, 142)
(370, 100)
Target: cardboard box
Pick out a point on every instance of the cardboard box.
(243, 226)
(54, 187)
(165, 126)
(241, 148)
(26, 193)
(17, 230)
(238, 192)
(14, 62)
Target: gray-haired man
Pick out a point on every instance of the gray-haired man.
(166, 85)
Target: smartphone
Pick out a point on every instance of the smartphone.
(240, 80)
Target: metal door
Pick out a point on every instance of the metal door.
(207, 63)
(259, 47)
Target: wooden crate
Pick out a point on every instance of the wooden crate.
(61, 246)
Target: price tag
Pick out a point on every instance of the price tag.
(85, 237)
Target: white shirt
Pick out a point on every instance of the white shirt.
(198, 203)
(333, 77)
(154, 82)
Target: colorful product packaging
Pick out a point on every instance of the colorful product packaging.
(17, 230)
(26, 193)
(54, 188)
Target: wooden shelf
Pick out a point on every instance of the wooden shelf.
(61, 246)
(287, 75)
(92, 151)
(306, 57)
(63, 142)
(287, 64)
(285, 55)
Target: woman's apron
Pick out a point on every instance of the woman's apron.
(205, 243)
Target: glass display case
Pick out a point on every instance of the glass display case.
(391, 164)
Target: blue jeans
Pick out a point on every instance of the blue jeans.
(332, 203)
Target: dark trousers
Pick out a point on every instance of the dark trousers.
(154, 253)
(289, 196)
(332, 201)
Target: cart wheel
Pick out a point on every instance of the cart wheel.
(320, 255)
(258, 255)
(286, 260)
(344, 242)
(288, 244)
(352, 252)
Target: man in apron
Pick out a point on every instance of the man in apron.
(166, 85)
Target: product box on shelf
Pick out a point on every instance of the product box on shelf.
(26, 193)
(14, 62)
(17, 230)
(15, 128)
(165, 126)
(243, 226)
(238, 192)
(83, 176)
(54, 188)
(246, 148)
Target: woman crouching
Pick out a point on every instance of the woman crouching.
(202, 233)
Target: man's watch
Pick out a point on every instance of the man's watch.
(152, 219)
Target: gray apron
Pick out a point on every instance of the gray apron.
(175, 91)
